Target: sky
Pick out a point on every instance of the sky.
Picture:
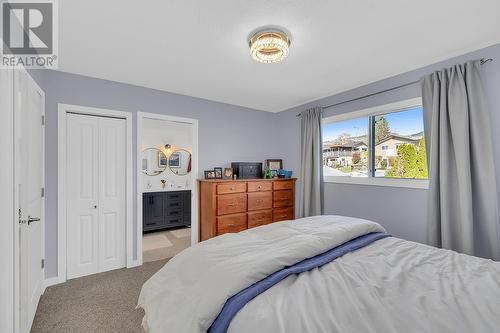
(404, 122)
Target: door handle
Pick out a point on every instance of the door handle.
(32, 219)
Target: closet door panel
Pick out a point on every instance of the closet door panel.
(112, 167)
(82, 196)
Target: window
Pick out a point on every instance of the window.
(345, 148)
(380, 146)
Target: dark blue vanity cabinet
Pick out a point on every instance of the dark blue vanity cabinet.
(163, 210)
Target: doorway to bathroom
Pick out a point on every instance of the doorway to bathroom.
(167, 200)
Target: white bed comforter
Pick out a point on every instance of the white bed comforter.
(391, 285)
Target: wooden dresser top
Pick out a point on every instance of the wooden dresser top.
(244, 180)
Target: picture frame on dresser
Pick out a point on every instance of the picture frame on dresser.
(209, 174)
(228, 173)
(218, 173)
(274, 164)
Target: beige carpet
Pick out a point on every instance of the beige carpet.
(102, 302)
(165, 244)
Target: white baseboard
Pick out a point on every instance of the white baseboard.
(52, 281)
(134, 263)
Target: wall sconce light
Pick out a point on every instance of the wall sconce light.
(167, 149)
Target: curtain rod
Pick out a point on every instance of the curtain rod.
(482, 62)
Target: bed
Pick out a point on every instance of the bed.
(321, 274)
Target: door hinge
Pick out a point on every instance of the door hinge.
(19, 217)
(43, 120)
(43, 263)
(43, 192)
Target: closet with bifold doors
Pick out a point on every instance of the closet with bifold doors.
(95, 190)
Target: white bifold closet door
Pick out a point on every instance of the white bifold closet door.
(96, 207)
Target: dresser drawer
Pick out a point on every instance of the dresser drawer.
(260, 200)
(283, 198)
(231, 203)
(236, 187)
(283, 185)
(231, 223)
(260, 218)
(281, 214)
(260, 186)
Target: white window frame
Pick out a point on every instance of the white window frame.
(376, 181)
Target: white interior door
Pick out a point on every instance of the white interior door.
(112, 173)
(96, 168)
(29, 107)
(82, 192)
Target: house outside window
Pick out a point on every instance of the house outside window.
(380, 146)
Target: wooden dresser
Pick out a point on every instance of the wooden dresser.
(236, 205)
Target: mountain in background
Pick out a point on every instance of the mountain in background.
(346, 139)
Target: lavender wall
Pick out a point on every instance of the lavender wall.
(229, 133)
(226, 132)
(402, 211)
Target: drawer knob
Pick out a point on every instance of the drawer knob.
(231, 188)
(260, 187)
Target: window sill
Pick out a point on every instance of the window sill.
(405, 183)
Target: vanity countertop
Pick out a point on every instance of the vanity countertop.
(153, 190)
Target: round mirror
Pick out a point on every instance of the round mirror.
(154, 161)
(179, 162)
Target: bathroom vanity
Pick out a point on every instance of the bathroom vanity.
(167, 209)
(166, 198)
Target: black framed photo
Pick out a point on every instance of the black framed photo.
(218, 173)
(228, 173)
(275, 164)
(209, 174)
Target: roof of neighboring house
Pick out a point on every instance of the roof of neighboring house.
(407, 139)
(351, 144)
(360, 143)
(339, 145)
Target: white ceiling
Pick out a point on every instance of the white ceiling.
(199, 48)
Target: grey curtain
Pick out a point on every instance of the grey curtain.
(311, 167)
(462, 201)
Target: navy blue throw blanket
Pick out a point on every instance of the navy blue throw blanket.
(236, 302)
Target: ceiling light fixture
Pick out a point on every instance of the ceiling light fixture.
(269, 46)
